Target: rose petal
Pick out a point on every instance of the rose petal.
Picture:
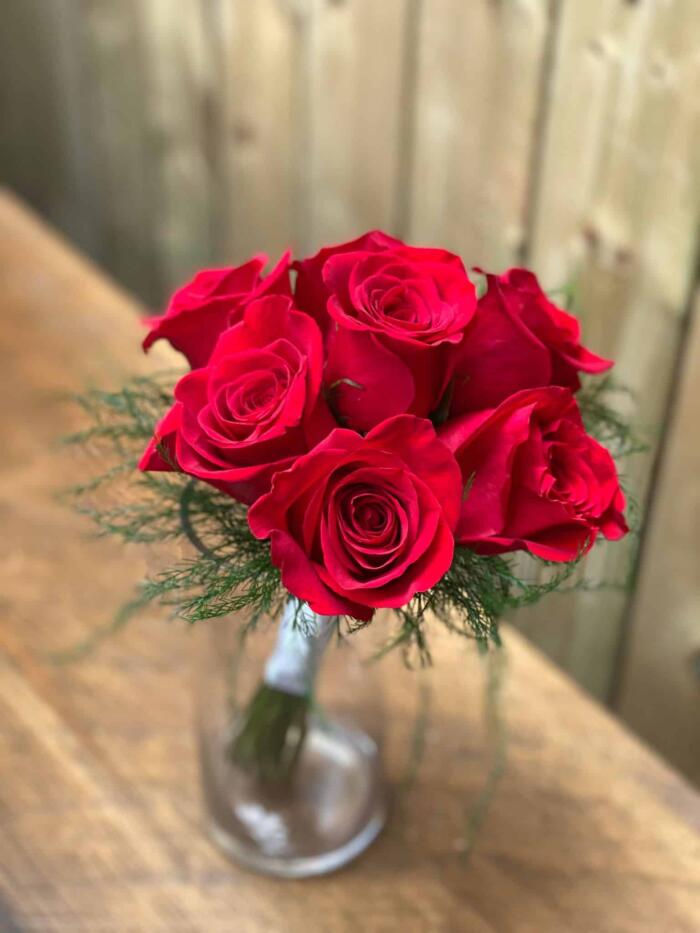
(365, 382)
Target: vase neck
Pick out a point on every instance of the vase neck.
(301, 640)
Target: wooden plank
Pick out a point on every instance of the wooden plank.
(616, 211)
(253, 125)
(354, 75)
(101, 825)
(309, 120)
(110, 61)
(41, 105)
(477, 94)
(29, 123)
(659, 695)
(178, 85)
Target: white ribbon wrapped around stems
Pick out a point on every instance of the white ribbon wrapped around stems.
(301, 640)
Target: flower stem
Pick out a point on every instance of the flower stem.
(270, 734)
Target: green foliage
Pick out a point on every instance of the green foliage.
(229, 570)
(603, 419)
(471, 598)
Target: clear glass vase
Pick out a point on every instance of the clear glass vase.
(289, 720)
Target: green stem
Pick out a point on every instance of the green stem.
(270, 735)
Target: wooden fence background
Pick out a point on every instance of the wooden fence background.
(163, 135)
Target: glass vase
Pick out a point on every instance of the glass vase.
(289, 721)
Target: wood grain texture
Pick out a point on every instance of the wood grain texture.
(253, 126)
(98, 787)
(177, 86)
(615, 212)
(477, 93)
(660, 687)
(355, 56)
(110, 62)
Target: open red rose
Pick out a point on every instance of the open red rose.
(253, 408)
(399, 317)
(362, 523)
(536, 481)
(518, 339)
(213, 301)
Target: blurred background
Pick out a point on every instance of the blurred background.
(166, 135)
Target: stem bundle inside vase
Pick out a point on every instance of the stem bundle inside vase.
(270, 732)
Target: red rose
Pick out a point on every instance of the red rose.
(361, 523)
(310, 291)
(214, 300)
(399, 315)
(518, 339)
(535, 480)
(255, 406)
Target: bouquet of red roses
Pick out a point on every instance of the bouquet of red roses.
(377, 415)
(371, 427)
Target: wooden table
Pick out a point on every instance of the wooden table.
(99, 798)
